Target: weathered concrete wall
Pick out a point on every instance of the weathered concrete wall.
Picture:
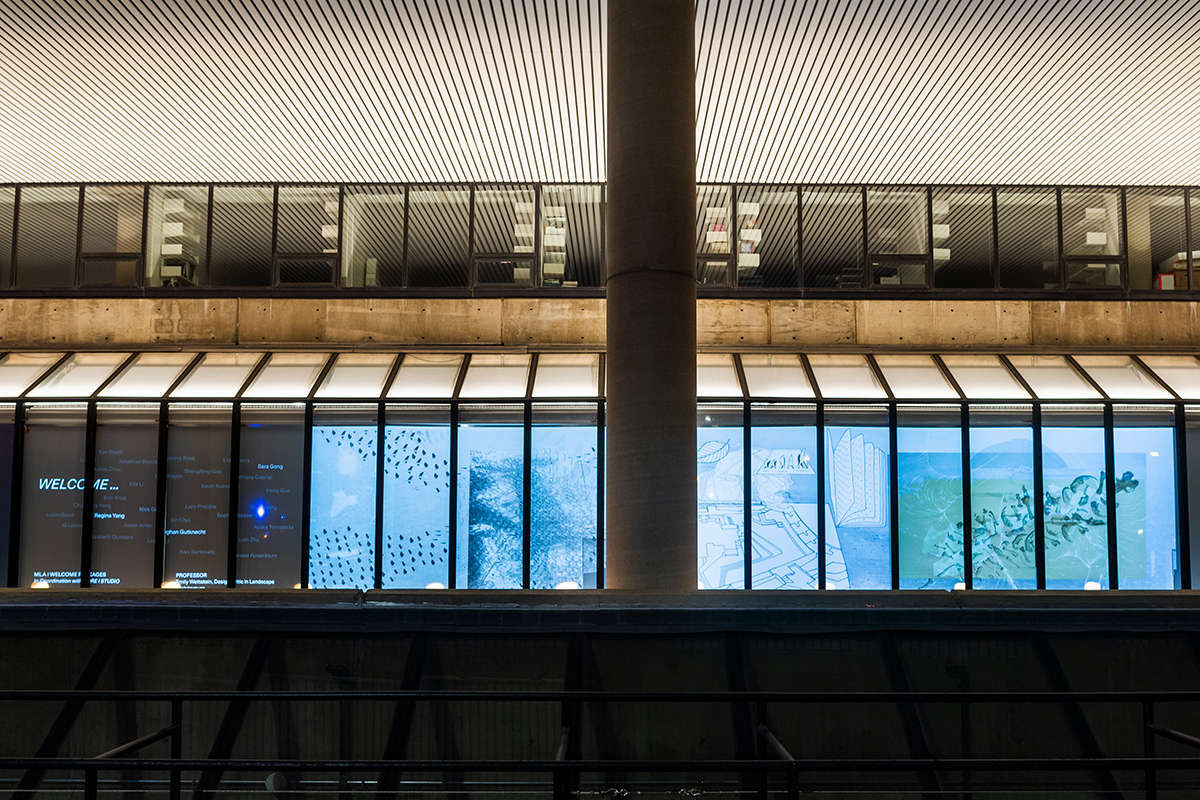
(566, 323)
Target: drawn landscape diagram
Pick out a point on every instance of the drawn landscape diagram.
(783, 510)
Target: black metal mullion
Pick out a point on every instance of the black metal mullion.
(894, 481)
(747, 494)
(14, 510)
(89, 497)
(16, 230)
(472, 278)
(275, 237)
(1039, 518)
(527, 496)
(380, 474)
(968, 522)
(160, 494)
(820, 462)
(341, 221)
(1187, 236)
(879, 376)
(731, 264)
(235, 444)
(79, 238)
(929, 241)
(1181, 495)
(1063, 279)
(140, 278)
(535, 269)
(452, 528)
(995, 239)
(867, 273)
(799, 238)
(306, 497)
(600, 422)
(390, 378)
(212, 196)
(1124, 250)
(1110, 480)
(404, 263)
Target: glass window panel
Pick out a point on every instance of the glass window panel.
(572, 235)
(342, 511)
(1182, 373)
(1091, 221)
(242, 217)
(1003, 540)
(929, 464)
(1051, 377)
(962, 238)
(270, 495)
(914, 376)
(491, 487)
(504, 219)
(783, 496)
(426, 375)
(766, 236)
(562, 511)
(7, 429)
(984, 377)
(19, 370)
(502, 271)
(108, 271)
(716, 376)
(1147, 504)
(46, 236)
(713, 219)
(1121, 378)
(439, 225)
(416, 497)
(1093, 273)
(308, 219)
(197, 514)
(775, 376)
(287, 375)
(79, 375)
(858, 496)
(112, 219)
(299, 270)
(1192, 453)
(1076, 498)
(177, 235)
(218, 375)
(567, 375)
(899, 273)
(8, 206)
(1027, 223)
(897, 221)
(373, 236)
(845, 376)
(832, 237)
(150, 375)
(1157, 247)
(496, 376)
(52, 496)
(720, 503)
(712, 271)
(125, 496)
(357, 375)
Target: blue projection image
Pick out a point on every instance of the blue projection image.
(416, 506)
(929, 465)
(342, 514)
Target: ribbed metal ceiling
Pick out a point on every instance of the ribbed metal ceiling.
(878, 91)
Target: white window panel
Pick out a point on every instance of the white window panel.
(567, 375)
(19, 370)
(1052, 378)
(218, 375)
(357, 375)
(983, 377)
(80, 376)
(150, 375)
(426, 375)
(845, 377)
(287, 375)
(776, 376)
(496, 376)
(1182, 373)
(915, 377)
(1121, 378)
(716, 376)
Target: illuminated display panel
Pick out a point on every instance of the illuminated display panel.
(416, 497)
(1147, 505)
(1003, 503)
(858, 495)
(1075, 502)
(197, 513)
(720, 509)
(270, 496)
(342, 511)
(6, 487)
(124, 503)
(491, 484)
(930, 491)
(562, 511)
(52, 496)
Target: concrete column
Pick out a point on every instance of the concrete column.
(651, 315)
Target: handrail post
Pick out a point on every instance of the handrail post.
(89, 783)
(1148, 747)
(176, 745)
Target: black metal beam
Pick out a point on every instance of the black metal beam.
(56, 737)
(745, 743)
(235, 715)
(920, 740)
(396, 747)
